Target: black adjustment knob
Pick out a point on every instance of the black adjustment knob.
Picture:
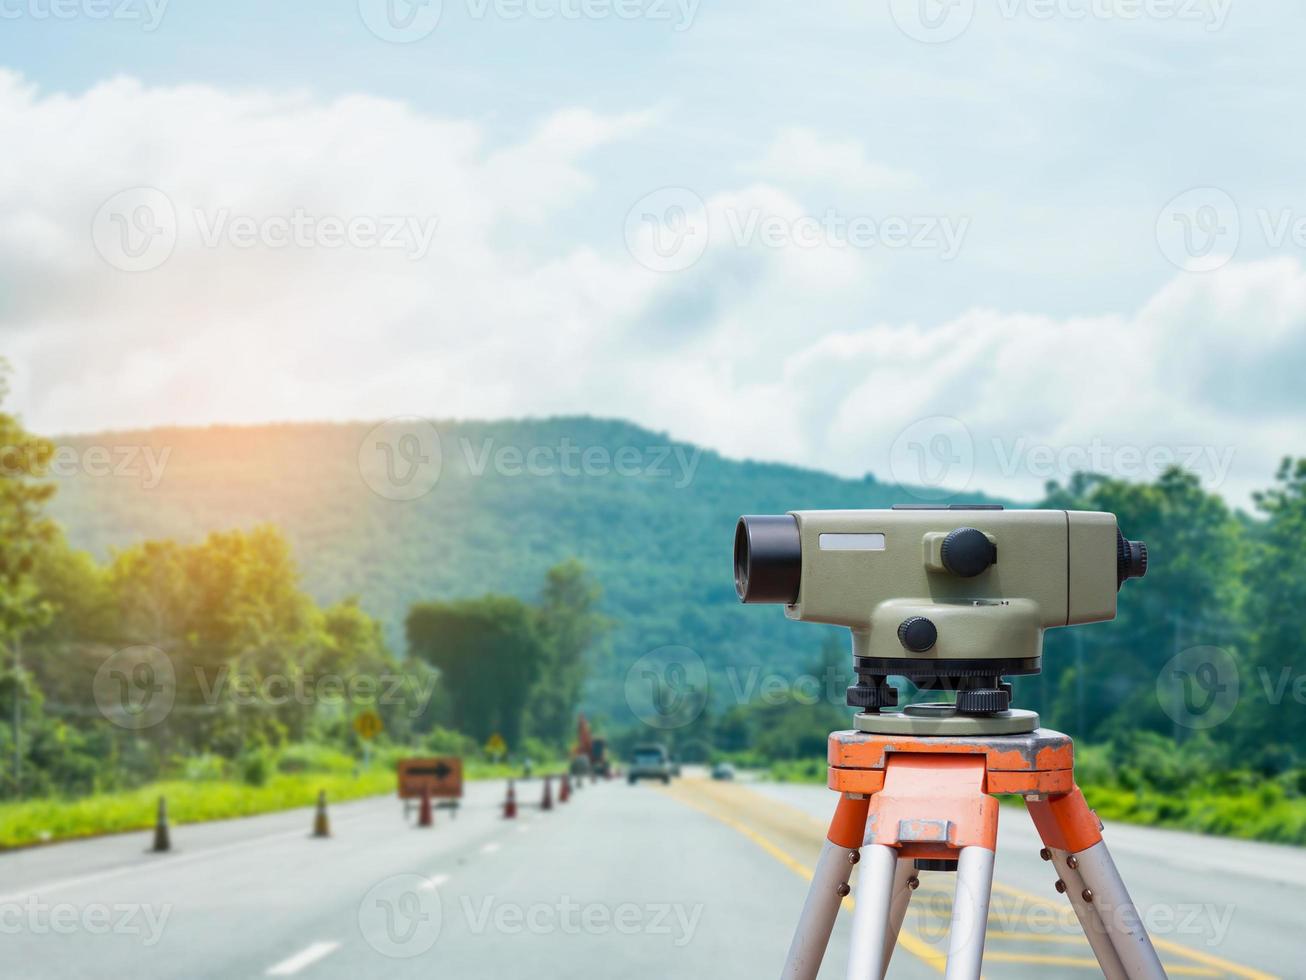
(968, 552)
(983, 701)
(1131, 559)
(917, 634)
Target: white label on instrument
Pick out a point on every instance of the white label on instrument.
(852, 542)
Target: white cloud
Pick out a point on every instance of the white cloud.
(754, 350)
(800, 155)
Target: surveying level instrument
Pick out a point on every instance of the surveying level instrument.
(954, 599)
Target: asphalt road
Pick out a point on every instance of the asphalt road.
(697, 880)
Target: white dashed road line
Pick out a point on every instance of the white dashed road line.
(305, 957)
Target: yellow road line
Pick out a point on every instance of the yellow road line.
(1086, 963)
(913, 944)
(927, 953)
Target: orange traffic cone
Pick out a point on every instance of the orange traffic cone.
(547, 802)
(564, 790)
(510, 804)
(425, 818)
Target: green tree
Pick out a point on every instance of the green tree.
(569, 626)
(24, 532)
(1276, 622)
(490, 655)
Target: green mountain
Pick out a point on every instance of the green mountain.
(652, 518)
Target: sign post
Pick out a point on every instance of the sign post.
(368, 725)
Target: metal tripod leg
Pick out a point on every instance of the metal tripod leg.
(1123, 924)
(970, 913)
(1111, 923)
(1067, 866)
(904, 883)
(829, 886)
(868, 953)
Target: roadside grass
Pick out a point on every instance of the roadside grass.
(192, 800)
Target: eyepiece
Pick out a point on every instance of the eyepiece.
(1131, 559)
(768, 559)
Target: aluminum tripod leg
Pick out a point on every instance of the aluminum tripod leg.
(970, 913)
(904, 883)
(1067, 866)
(868, 953)
(1123, 924)
(1073, 837)
(829, 886)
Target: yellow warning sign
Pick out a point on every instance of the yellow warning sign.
(368, 725)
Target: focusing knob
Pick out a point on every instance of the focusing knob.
(1131, 559)
(917, 634)
(968, 552)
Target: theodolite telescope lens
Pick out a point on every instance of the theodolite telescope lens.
(768, 559)
(1131, 559)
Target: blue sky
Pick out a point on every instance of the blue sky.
(1074, 228)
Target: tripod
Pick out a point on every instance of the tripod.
(913, 802)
